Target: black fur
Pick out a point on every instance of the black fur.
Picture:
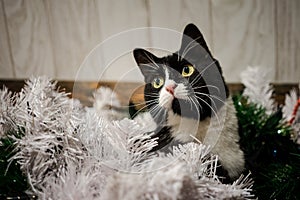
(193, 51)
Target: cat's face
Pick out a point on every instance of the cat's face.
(188, 82)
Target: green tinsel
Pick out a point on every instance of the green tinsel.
(271, 156)
(13, 183)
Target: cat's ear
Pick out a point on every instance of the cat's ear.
(145, 60)
(190, 34)
(143, 57)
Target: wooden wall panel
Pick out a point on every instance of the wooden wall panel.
(53, 37)
(29, 36)
(74, 27)
(243, 35)
(287, 41)
(6, 66)
(179, 13)
(116, 17)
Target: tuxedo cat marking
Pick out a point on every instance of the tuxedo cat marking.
(186, 95)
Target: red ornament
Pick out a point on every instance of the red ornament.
(295, 111)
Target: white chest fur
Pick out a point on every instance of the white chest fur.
(184, 128)
(220, 133)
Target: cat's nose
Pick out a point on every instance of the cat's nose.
(171, 88)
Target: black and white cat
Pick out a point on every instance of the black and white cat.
(188, 98)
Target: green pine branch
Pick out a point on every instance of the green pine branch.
(13, 183)
(271, 155)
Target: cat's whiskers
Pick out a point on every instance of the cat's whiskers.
(137, 104)
(212, 96)
(212, 109)
(195, 80)
(181, 93)
(151, 95)
(209, 96)
(191, 103)
(145, 103)
(144, 106)
(213, 62)
(138, 112)
(164, 101)
(203, 86)
(133, 106)
(201, 73)
(196, 103)
(218, 98)
(155, 110)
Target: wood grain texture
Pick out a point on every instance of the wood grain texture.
(53, 37)
(6, 65)
(28, 31)
(115, 17)
(287, 41)
(74, 28)
(243, 35)
(177, 14)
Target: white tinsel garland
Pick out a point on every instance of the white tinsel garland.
(79, 180)
(7, 110)
(49, 119)
(68, 152)
(258, 88)
(107, 105)
(119, 144)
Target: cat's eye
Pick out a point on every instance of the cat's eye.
(157, 82)
(187, 70)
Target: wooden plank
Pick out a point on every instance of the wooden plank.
(28, 30)
(78, 26)
(288, 40)
(118, 22)
(118, 16)
(38, 35)
(75, 32)
(243, 35)
(6, 65)
(176, 14)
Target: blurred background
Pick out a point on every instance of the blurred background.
(53, 37)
